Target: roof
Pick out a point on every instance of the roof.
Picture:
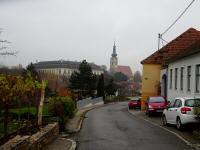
(125, 70)
(63, 64)
(192, 50)
(176, 46)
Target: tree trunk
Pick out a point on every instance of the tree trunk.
(6, 119)
(41, 104)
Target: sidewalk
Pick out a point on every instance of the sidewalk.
(185, 135)
(61, 144)
(72, 126)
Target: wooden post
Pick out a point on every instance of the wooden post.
(41, 104)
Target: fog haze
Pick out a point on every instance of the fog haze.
(86, 29)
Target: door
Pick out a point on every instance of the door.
(168, 113)
(174, 110)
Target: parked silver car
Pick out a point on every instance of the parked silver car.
(180, 112)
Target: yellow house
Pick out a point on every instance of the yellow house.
(155, 67)
(150, 81)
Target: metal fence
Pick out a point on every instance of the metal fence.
(89, 102)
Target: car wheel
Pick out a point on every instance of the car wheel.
(164, 120)
(130, 107)
(179, 124)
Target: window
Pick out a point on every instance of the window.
(197, 78)
(192, 102)
(188, 78)
(181, 78)
(156, 99)
(171, 105)
(175, 78)
(59, 71)
(171, 74)
(178, 103)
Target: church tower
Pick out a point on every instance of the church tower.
(113, 60)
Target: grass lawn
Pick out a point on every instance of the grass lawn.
(31, 109)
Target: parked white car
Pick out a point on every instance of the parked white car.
(180, 112)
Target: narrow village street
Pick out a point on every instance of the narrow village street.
(113, 128)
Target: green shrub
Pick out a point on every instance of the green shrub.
(197, 111)
(61, 107)
(69, 106)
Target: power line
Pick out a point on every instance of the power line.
(160, 36)
(178, 18)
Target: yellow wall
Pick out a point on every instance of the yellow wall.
(150, 81)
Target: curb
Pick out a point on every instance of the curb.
(82, 117)
(73, 147)
(174, 133)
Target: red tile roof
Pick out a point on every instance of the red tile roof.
(173, 48)
(125, 70)
(193, 49)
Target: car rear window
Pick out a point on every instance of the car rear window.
(135, 99)
(192, 102)
(156, 99)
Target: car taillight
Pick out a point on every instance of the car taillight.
(150, 107)
(184, 110)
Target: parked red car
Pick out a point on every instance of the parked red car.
(155, 105)
(135, 102)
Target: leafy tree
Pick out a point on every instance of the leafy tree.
(11, 88)
(137, 77)
(31, 69)
(12, 71)
(111, 88)
(118, 77)
(83, 80)
(100, 86)
(6, 92)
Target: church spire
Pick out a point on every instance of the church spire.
(114, 54)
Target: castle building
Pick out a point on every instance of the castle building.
(64, 68)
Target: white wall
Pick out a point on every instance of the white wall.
(67, 70)
(184, 62)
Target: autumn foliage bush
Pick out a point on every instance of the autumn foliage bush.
(61, 107)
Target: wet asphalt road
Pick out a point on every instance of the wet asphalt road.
(113, 128)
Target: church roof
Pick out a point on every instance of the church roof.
(63, 64)
(125, 70)
(173, 48)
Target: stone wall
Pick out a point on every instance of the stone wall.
(16, 143)
(35, 142)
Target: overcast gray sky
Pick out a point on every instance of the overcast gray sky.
(86, 29)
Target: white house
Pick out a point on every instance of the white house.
(184, 75)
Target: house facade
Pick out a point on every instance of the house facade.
(184, 77)
(64, 68)
(170, 70)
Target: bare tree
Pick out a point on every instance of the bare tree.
(4, 49)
